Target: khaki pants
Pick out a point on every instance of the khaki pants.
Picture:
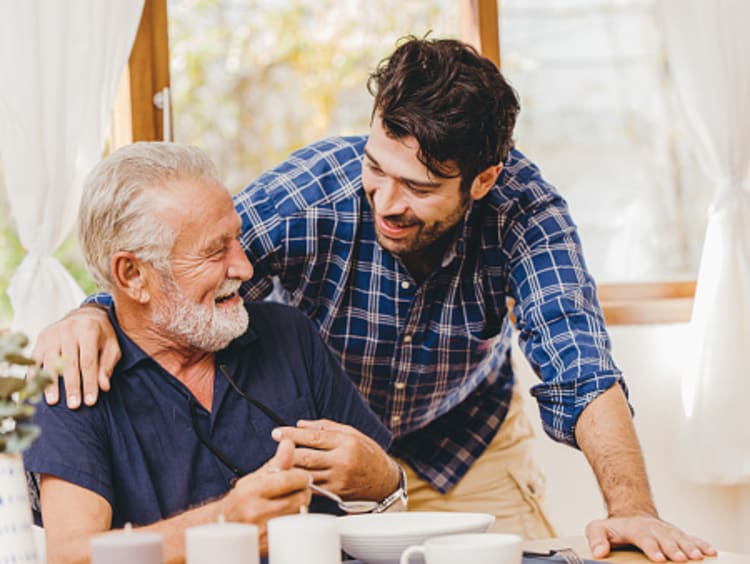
(505, 481)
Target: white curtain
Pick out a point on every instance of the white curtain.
(59, 66)
(708, 49)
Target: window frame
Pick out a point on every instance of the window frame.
(137, 118)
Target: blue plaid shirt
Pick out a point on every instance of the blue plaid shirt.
(433, 359)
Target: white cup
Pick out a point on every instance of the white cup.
(475, 548)
(228, 543)
(304, 539)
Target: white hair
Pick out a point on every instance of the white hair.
(118, 204)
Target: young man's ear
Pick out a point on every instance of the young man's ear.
(129, 276)
(484, 181)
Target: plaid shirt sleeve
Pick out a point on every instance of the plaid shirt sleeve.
(282, 213)
(560, 323)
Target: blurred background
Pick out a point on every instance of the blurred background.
(253, 80)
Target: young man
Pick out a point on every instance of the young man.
(185, 433)
(403, 247)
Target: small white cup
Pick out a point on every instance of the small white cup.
(228, 543)
(476, 548)
(309, 538)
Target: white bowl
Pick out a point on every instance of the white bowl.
(380, 538)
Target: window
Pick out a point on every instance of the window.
(598, 116)
(253, 81)
(603, 94)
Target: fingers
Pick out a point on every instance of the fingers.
(262, 495)
(71, 372)
(46, 353)
(284, 457)
(683, 547)
(316, 460)
(326, 425)
(597, 535)
(88, 363)
(107, 360)
(651, 548)
(701, 546)
(85, 345)
(313, 438)
(274, 485)
(659, 540)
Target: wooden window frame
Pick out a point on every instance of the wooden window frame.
(136, 118)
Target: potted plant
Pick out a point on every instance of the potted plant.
(18, 393)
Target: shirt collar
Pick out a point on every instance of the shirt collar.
(461, 234)
(132, 354)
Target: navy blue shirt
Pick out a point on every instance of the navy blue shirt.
(138, 449)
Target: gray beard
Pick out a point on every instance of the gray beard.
(202, 327)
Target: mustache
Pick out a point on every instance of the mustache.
(229, 286)
(399, 220)
(402, 220)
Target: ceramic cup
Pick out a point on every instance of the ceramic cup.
(228, 543)
(476, 548)
(308, 539)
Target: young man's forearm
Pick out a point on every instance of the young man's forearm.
(607, 437)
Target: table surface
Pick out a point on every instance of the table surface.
(580, 545)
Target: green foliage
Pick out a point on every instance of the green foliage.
(254, 80)
(17, 395)
(10, 258)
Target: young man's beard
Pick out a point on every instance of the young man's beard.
(426, 235)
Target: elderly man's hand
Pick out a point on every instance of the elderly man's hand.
(275, 489)
(659, 540)
(87, 344)
(342, 459)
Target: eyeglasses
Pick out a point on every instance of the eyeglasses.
(270, 413)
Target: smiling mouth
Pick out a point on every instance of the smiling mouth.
(225, 298)
(394, 229)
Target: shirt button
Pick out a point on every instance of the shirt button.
(405, 285)
(407, 339)
(395, 420)
(400, 385)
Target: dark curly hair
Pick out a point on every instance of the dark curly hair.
(453, 101)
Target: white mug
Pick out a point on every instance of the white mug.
(476, 548)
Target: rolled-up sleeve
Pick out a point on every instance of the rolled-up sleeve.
(560, 322)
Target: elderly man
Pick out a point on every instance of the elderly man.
(186, 427)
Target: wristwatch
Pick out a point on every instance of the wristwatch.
(398, 500)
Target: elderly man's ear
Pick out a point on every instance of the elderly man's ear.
(131, 276)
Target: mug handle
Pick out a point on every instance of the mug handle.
(415, 549)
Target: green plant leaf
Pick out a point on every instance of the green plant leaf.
(34, 387)
(9, 385)
(17, 395)
(18, 411)
(17, 358)
(19, 439)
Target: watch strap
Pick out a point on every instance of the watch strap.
(398, 500)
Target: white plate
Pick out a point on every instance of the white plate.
(381, 538)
